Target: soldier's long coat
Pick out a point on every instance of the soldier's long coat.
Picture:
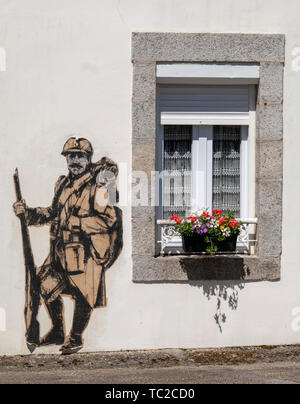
(77, 205)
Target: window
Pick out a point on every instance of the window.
(206, 152)
(191, 151)
(216, 60)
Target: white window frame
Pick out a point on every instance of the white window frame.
(202, 161)
(202, 166)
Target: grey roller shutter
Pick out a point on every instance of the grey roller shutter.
(203, 105)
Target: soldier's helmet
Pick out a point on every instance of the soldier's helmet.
(80, 145)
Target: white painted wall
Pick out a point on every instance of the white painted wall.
(68, 69)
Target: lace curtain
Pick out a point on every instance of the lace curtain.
(177, 166)
(226, 168)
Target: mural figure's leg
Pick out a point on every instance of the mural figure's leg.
(56, 336)
(82, 315)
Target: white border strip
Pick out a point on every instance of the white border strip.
(208, 71)
(198, 118)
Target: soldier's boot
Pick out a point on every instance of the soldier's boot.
(82, 315)
(56, 336)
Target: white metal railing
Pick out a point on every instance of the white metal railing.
(171, 239)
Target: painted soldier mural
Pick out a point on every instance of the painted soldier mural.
(85, 240)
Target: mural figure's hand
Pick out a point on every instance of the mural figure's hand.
(20, 207)
(105, 178)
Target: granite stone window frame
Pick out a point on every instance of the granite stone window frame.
(269, 52)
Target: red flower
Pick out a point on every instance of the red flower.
(217, 212)
(222, 221)
(233, 223)
(177, 219)
(206, 214)
(193, 219)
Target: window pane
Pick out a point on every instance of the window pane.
(226, 168)
(177, 165)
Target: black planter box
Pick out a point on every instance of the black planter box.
(228, 245)
(193, 243)
(196, 244)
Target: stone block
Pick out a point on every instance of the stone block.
(270, 268)
(269, 157)
(144, 119)
(269, 236)
(191, 269)
(144, 158)
(205, 47)
(144, 81)
(144, 243)
(271, 83)
(270, 198)
(270, 121)
(142, 211)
